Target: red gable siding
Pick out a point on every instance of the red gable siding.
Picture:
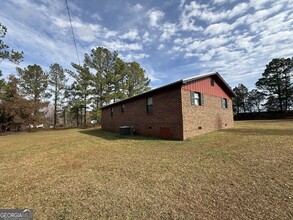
(204, 86)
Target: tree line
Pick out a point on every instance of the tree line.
(273, 92)
(77, 94)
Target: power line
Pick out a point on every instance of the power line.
(73, 36)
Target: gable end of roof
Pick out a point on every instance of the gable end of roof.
(215, 75)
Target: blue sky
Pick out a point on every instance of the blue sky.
(170, 39)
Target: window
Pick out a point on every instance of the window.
(196, 98)
(122, 108)
(112, 111)
(224, 103)
(149, 105)
(212, 82)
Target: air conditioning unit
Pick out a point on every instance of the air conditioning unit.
(126, 130)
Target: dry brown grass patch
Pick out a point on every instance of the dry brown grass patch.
(239, 173)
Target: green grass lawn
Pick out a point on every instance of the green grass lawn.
(240, 173)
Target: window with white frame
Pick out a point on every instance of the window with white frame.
(196, 98)
(224, 103)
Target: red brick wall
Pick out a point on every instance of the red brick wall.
(165, 121)
(209, 117)
(173, 115)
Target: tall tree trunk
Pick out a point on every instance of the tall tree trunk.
(84, 122)
(280, 99)
(280, 104)
(84, 117)
(81, 116)
(64, 117)
(286, 94)
(35, 113)
(55, 111)
(77, 118)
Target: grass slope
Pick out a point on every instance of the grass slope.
(240, 173)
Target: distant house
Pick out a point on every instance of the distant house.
(179, 110)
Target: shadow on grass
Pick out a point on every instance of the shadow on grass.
(260, 131)
(98, 132)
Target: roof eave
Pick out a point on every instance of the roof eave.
(177, 83)
(174, 84)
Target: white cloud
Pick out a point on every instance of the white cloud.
(186, 20)
(271, 39)
(214, 42)
(138, 7)
(51, 18)
(155, 17)
(46, 50)
(218, 28)
(189, 54)
(265, 13)
(193, 47)
(96, 16)
(265, 20)
(238, 10)
(168, 31)
(151, 73)
(146, 37)
(161, 46)
(208, 55)
(183, 41)
(182, 2)
(122, 46)
(86, 31)
(131, 35)
(259, 4)
(195, 12)
(244, 42)
(109, 34)
(176, 49)
(134, 57)
(189, 24)
(221, 2)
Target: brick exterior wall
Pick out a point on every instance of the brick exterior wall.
(209, 117)
(173, 117)
(164, 122)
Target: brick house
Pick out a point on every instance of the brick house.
(179, 110)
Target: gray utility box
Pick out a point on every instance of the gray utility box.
(126, 130)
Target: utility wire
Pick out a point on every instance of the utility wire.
(73, 36)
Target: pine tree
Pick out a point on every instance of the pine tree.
(107, 79)
(33, 85)
(255, 100)
(73, 104)
(276, 83)
(136, 81)
(101, 62)
(241, 95)
(57, 79)
(82, 88)
(5, 53)
(16, 110)
(2, 86)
